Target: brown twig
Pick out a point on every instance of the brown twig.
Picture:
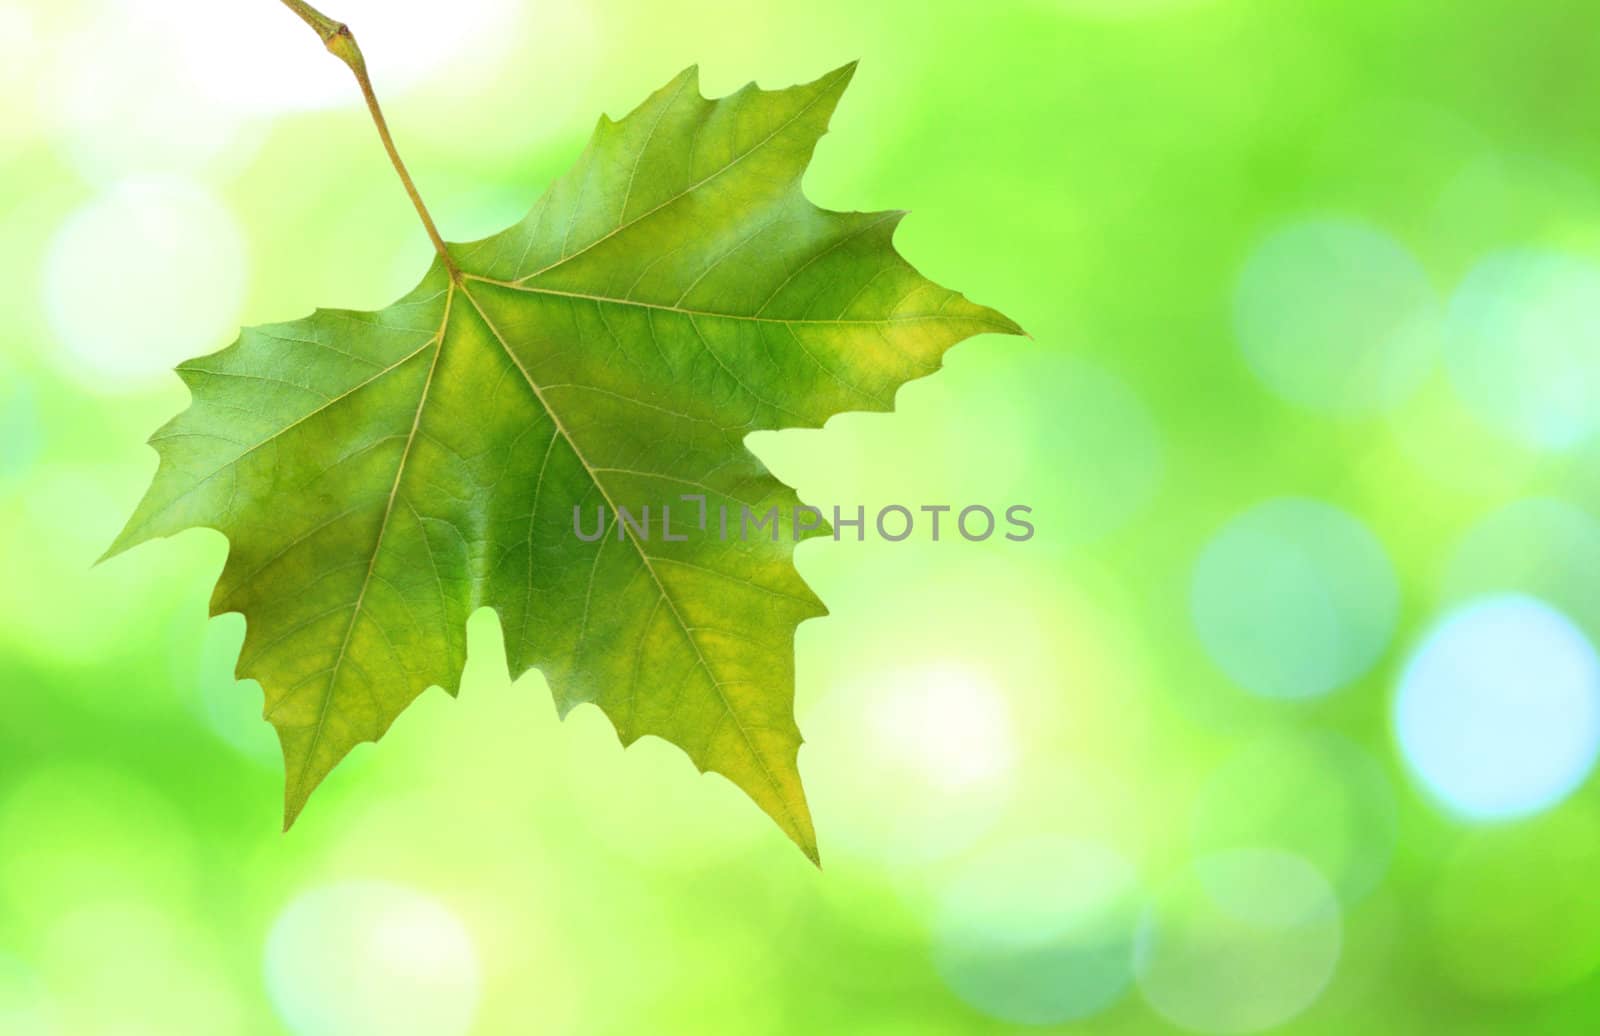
(336, 36)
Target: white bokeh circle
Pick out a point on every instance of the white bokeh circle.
(368, 956)
(1240, 941)
(1337, 316)
(1294, 598)
(1498, 710)
(921, 761)
(147, 275)
(1039, 932)
(121, 98)
(1523, 349)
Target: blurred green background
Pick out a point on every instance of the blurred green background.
(1283, 721)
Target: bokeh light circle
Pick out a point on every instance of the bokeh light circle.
(1316, 794)
(1498, 711)
(1336, 316)
(122, 97)
(140, 279)
(1039, 932)
(1240, 941)
(366, 956)
(1294, 598)
(406, 41)
(923, 760)
(1523, 349)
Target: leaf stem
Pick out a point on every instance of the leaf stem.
(339, 40)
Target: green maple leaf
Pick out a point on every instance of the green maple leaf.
(379, 476)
